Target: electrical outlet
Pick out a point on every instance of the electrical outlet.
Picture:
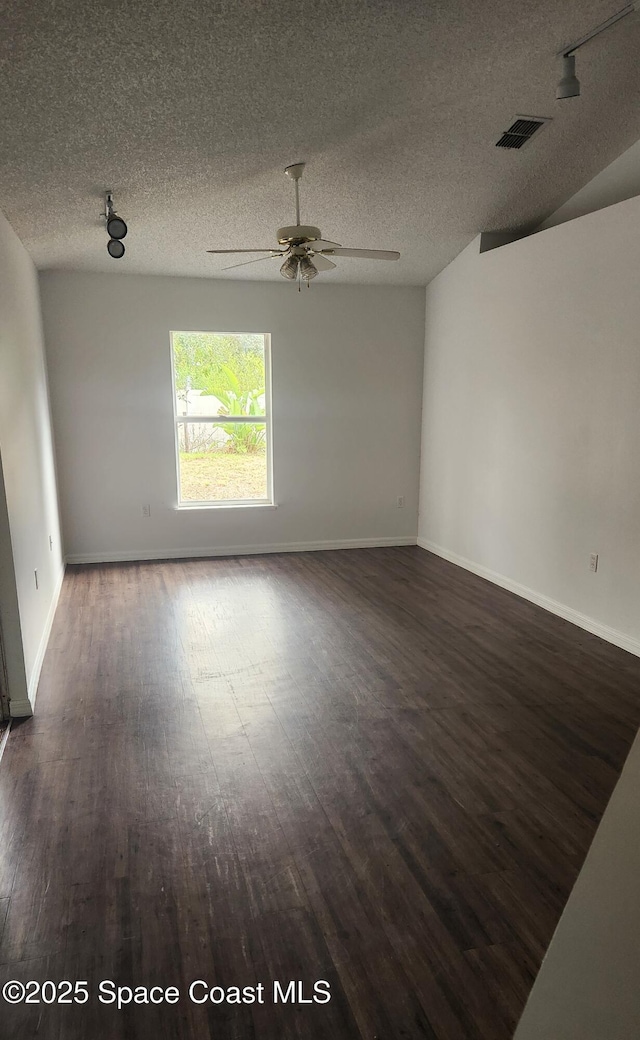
(400, 502)
(35, 574)
(593, 562)
(146, 510)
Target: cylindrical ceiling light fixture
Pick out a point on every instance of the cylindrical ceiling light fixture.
(569, 85)
(116, 227)
(115, 248)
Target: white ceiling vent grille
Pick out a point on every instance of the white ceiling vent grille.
(521, 131)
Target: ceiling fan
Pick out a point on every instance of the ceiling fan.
(303, 248)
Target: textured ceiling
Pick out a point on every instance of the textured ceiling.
(189, 111)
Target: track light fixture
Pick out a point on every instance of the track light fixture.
(115, 248)
(116, 228)
(569, 85)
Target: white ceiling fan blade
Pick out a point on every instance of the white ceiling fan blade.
(321, 262)
(243, 263)
(242, 251)
(367, 254)
(320, 243)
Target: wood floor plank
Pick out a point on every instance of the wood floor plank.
(368, 767)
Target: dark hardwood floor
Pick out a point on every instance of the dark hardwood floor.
(367, 767)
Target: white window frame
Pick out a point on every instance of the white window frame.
(226, 503)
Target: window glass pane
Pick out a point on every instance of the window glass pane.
(222, 461)
(219, 374)
(225, 375)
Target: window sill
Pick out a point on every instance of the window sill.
(197, 506)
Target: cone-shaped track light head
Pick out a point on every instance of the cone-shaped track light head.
(569, 85)
(289, 268)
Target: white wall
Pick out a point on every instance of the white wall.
(28, 467)
(531, 435)
(12, 655)
(347, 373)
(587, 987)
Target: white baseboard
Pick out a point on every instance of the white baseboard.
(553, 606)
(134, 555)
(18, 708)
(4, 738)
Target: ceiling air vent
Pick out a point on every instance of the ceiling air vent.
(521, 131)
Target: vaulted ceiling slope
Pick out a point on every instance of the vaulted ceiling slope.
(190, 110)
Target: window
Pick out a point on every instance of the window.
(222, 418)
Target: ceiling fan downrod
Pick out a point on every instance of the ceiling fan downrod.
(295, 171)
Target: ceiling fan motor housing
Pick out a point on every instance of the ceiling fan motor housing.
(298, 234)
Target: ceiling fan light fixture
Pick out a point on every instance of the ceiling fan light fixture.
(307, 268)
(289, 268)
